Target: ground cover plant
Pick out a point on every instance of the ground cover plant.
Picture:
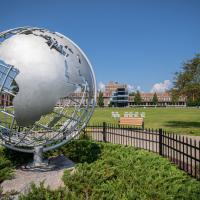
(118, 172)
(6, 167)
(178, 120)
(10, 160)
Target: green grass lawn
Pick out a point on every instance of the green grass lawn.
(178, 120)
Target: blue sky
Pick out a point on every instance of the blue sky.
(139, 42)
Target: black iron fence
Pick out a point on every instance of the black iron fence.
(181, 150)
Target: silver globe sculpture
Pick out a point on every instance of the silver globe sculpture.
(47, 90)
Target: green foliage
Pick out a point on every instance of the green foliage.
(132, 94)
(84, 136)
(187, 81)
(195, 102)
(127, 173)
(79, 151)
(137, 98)
(43, 193)
(174, 96)
(110, 104)
(155, 99)
(100, 99)
(5, 166)
(17, 158)
(10, 159)
(121, 173)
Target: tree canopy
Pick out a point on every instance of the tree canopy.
(187, 81)
(132, 94)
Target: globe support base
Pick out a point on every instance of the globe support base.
(38, 162)
(37, 158)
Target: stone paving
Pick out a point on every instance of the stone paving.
(24, 177)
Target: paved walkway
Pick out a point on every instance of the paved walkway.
(52, 178)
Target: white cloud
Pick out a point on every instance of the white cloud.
(139, 88)
(133, 88)
(101, 86)
(161, 87)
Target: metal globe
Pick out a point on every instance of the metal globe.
(47, 89)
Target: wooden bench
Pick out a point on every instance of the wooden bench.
(133, 121)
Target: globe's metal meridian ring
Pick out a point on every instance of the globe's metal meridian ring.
(72, 112)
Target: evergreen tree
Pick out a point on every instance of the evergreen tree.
(137, 98)
(100, 99)
(155, 99)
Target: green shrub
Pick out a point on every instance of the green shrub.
(119, 173)
(10, 159)
(17, 158)
(43, 193)
(127, 173)
(79, 151)
(5, 166)
(84, 136)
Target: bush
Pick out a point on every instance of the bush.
(10, 159)
(5, 166)
(192, 103)
(43, 193)
(17, 158)
(120, 173)
(79, 151)
(84, 136)
(127, 173)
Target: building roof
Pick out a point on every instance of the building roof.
(165, 94)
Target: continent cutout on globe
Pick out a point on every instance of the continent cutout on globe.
(42, 78)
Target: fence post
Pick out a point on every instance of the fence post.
(104, 131)
(84, 132)
(160, 142)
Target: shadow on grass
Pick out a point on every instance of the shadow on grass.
(182, 124)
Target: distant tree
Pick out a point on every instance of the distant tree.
(110, 104)
(100, 99)
(155, 99)
(132, 94)
(187, 81)
(174, 96)
(137, 98)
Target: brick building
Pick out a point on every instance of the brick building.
(110, 89)
(164, 99)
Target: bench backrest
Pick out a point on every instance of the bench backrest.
(137, 121)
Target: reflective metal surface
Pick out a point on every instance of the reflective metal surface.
(45, 73)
